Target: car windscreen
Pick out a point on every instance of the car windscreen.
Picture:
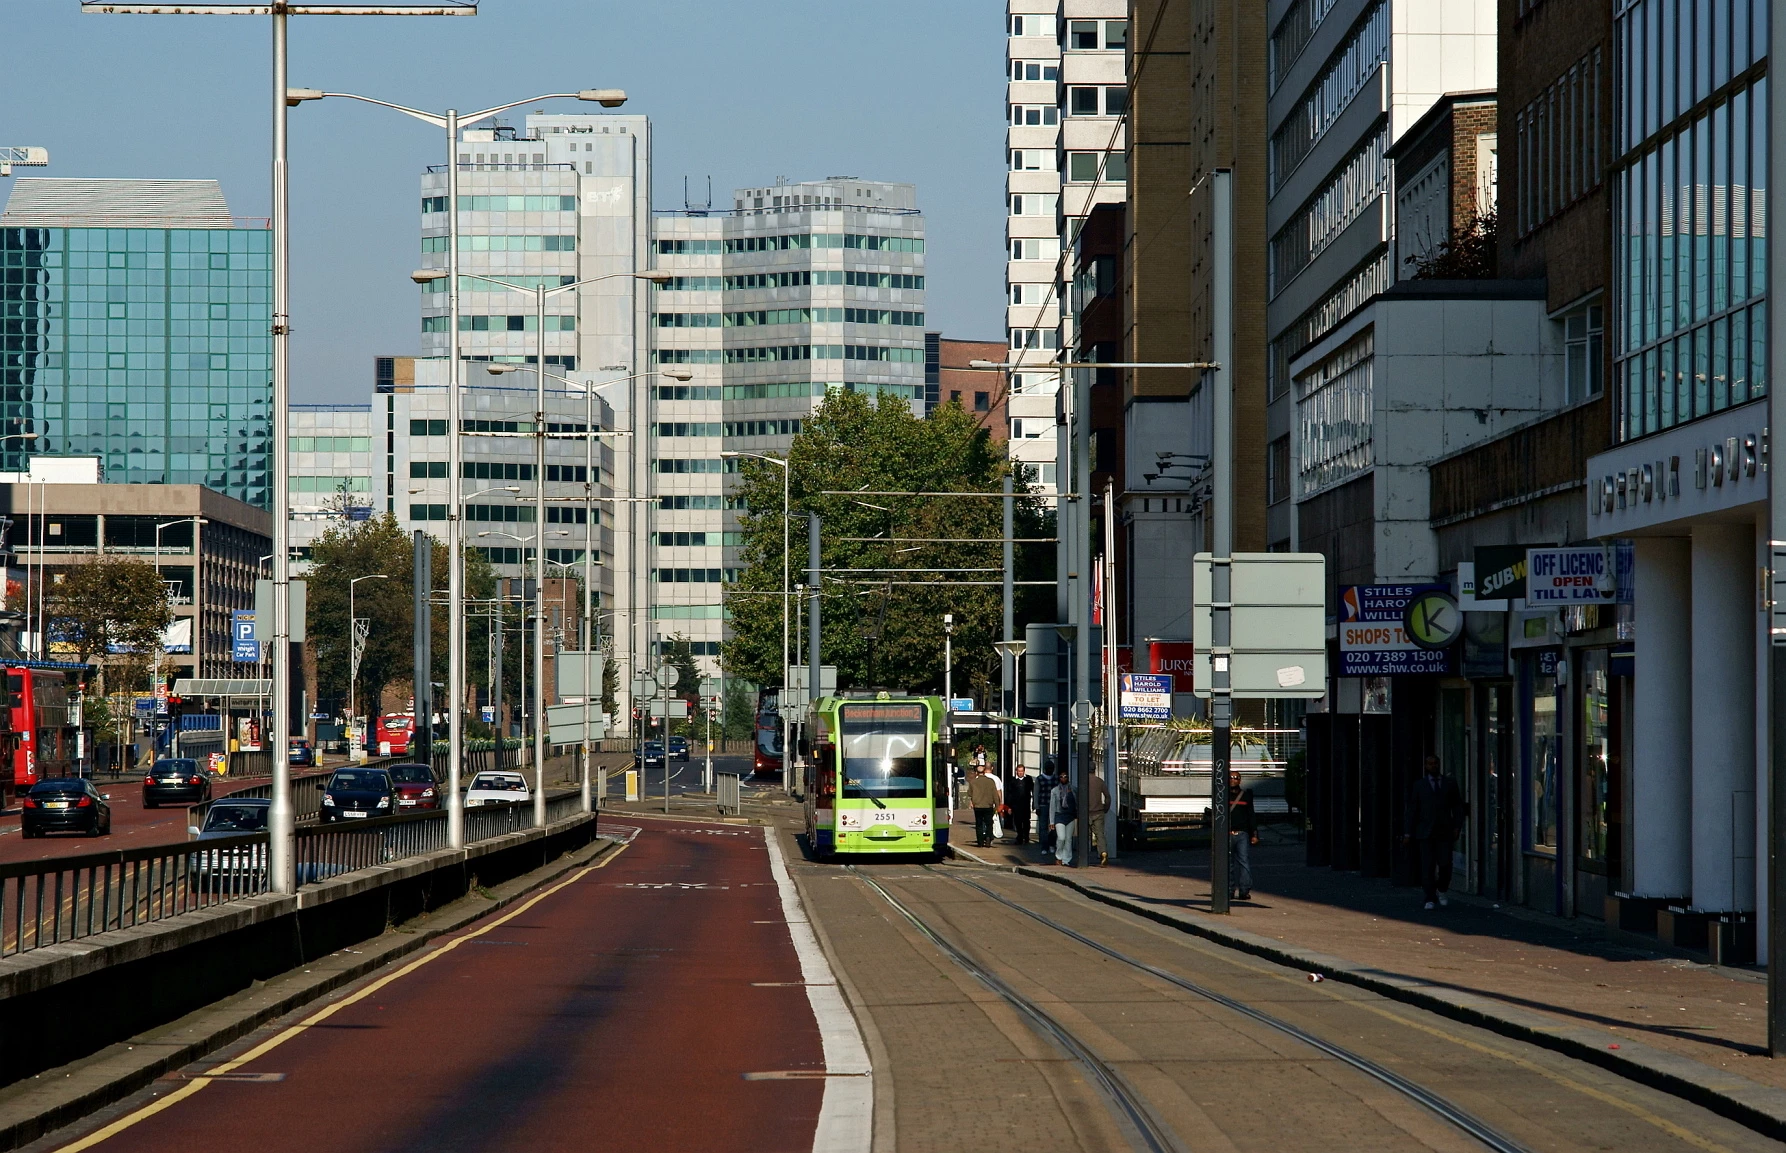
(359, 780)
(237, 819)
(412, 775)
(493, 784)
(59, 785)
(174, 765)
(885, 750)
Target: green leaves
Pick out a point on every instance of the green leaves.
(110, 606)
(884, 598)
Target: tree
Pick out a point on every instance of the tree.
(739, 710)
(882, 627)
(679, 654)
(113, 609)
(1470, 254)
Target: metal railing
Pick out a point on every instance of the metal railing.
(69, 898)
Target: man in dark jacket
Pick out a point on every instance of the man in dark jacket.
(1020, 794)
(1044, 816)
(1435, 815)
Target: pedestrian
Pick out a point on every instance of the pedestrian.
(982, 794)
(1019, 797)
(1436, 812)
(1243, 834)
(1100, 810)
(1044, 810)
(998, 811)
(1064, 803)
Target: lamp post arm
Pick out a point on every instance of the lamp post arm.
(425, 117)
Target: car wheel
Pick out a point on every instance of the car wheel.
(148, 804)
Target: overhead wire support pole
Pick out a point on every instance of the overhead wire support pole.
(1221, 704)
(1775, 889)
(539, 561)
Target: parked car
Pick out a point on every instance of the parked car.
(301, 752)
(240, 867)
(175, 781)
(496, 789)
(417, 790)
(652, 754)
(679, 748)
(65, 805)
(359, 793)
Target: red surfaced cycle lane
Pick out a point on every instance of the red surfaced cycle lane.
(622, 1009)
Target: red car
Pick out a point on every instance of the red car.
(417, 790)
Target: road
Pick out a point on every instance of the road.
(653, 1002)
(685, 776)
(132, 825)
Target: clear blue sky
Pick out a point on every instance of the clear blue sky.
(744, 92)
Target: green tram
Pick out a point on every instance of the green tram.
(877, 780)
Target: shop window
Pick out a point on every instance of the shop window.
(1546, 770)
(1596, 759)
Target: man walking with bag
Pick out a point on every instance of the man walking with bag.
(982, 794)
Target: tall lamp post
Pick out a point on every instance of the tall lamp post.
(787, 773)
(449, 123)
(355, 645)
(540, 293)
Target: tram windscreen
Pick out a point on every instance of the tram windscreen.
(885, 750)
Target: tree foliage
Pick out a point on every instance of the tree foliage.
(379, 547)
(113, 610)
(1471, 253)
(880, 628)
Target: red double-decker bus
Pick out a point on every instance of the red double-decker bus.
(41, 742)
(397, 728)
(766, 753)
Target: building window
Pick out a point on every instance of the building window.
(1032, 26)
(1084, 101)
(1558, 145)
(982, 402)
(1116, 35)
(1035, 248)
(1346, 74)
(1293, 34)
(1277, 470)
(1116, 100)
(1357, 186)
(955, 396)
(1582, 353)
(427, 470)
(1334, 414)
(1034, 70)
(1084, 166)
(1031, 159)
(1034, 338)
(1033, 115)
(1083, 35)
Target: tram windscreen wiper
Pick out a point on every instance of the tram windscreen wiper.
(877, 801)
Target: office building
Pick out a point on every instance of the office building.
(799, 290)
(137, 330)
(1066, 152)
(332, 470)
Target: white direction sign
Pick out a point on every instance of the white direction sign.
(1278, 624)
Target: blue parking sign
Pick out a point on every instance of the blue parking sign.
(244, 649)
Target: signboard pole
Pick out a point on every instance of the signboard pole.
(1221, 706)
(815, 679)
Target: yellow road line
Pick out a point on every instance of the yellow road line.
(322, 1015)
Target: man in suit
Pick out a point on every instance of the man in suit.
(1435, 815)
(1020, 795)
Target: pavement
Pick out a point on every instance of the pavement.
(658, 998)
(1694, 1029)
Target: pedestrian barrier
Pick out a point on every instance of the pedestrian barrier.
(69, 898)
(730, 804)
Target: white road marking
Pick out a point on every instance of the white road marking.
(846, 1115)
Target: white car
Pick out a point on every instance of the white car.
(496, 788)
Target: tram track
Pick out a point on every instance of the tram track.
(1131, 1110)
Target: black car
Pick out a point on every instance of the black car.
(175, 781)
(65, 805)
(679, 748)
(358, 793)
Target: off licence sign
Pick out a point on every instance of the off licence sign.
(1372, 641)
(1566, 576)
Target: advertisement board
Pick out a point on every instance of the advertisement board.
(1373, 640)
(1146, 697)
(1571, 576)
(1177, 659)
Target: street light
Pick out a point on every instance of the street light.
(355, 645)
(590, 434)
(539, 293)
(449, 123)
(787, 772)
